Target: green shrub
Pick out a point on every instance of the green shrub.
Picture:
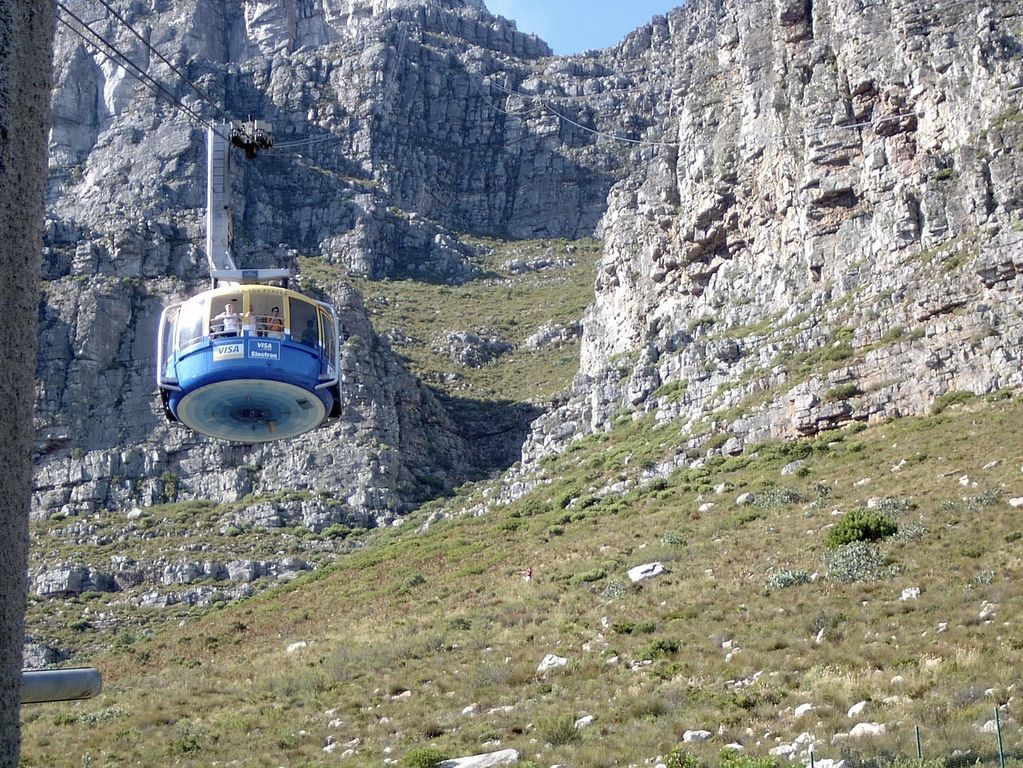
(673, 539)
(787, 578)
(336, 531)
(747, 515)
(188, 737)
(662, 646)
(423, 758)
(776, 498)
(730, 758)
(842, 392)
(894, 507)
(680, 758)
(837, 353)
(985, 499)
(947, 400)
(674, 391)
(557, 730)
(614, 590)
(413, 580)
(715, 441)
(972, 549)
(534, 506)
(910, 531)
(589, 576)
(860, 525)
(856, 562)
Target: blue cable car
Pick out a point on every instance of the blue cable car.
(249, 363)
(246, 361)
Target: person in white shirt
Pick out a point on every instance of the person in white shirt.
(232, 321)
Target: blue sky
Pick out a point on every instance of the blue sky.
(571, 26)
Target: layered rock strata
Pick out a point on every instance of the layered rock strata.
(834, 235)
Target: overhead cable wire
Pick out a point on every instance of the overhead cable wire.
(106, 4)
(605, 134)
(544, 99)
(873, 24)
(304, 142)
(128, 65)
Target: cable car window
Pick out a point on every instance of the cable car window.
(191, 322)
(303, 323)
(168, 327)
(327, 322)
(267, 313)
(226, 316)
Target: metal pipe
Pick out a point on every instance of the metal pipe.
(41, 685)
(998, 730)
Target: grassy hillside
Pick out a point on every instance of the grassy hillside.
(431, 637)
(523, 286)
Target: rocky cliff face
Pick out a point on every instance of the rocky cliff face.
(835, 234)
(815, 219)
(395, 129)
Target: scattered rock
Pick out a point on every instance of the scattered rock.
(502, 757)
(696, 737)
(987, 611)
(38, 655)
(470, 350)
(551, 661)
(584, 721)
(861, 730)
(647, 571)
(792, 467)
(553, 335)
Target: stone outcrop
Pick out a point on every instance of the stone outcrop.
(398, 124)
(815, 220)
(832, 236)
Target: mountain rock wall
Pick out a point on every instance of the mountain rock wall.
(396, 129)
(835, 234)
(811, 213)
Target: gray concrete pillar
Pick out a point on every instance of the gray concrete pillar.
(26, 62)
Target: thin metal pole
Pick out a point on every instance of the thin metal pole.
(919, 747)
(998, 730)
(812, 765)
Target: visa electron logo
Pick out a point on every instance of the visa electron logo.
(264, 350)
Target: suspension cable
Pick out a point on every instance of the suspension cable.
(125, 63)
(164, 59)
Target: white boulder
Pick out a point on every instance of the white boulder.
(861, 730)
(551, 661)
(856, 709)
(646, 571)
(501, 757)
